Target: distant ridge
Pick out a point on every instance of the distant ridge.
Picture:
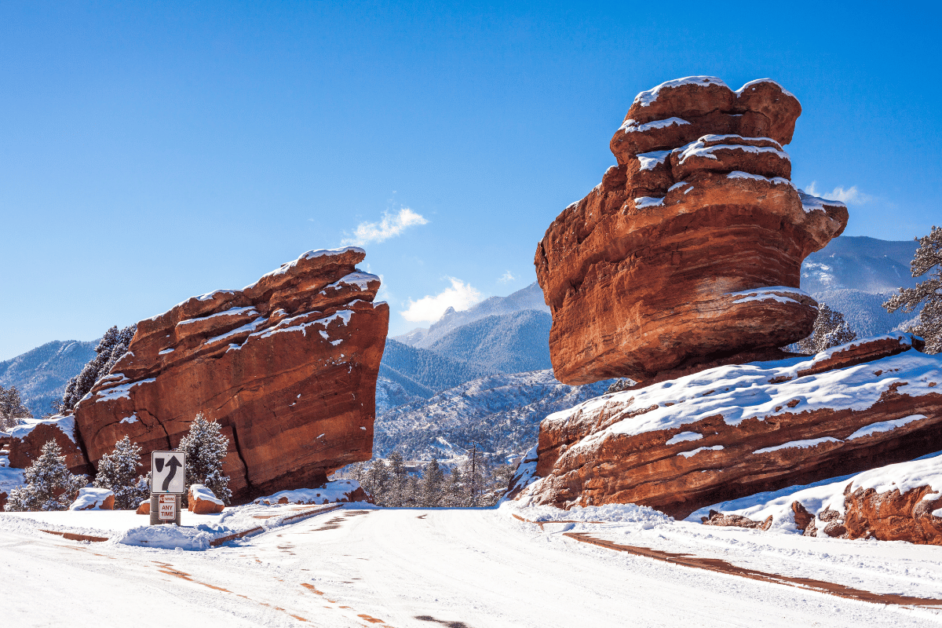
(42, 373)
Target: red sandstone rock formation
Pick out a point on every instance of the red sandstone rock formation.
(734, 431)
(287, 366)
(690, 249)
(27, 440)
(201, 501)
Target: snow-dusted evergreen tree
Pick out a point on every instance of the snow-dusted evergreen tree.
(928, 259)
(474, 478)
(830, 330)
(496, 483)
(205, 448)
(413, 493)
(112, 346)
(48, 483)
(398, 476)
(454, 491)
(12, 409)
(117, 472)
(377, 481)
(432, 483)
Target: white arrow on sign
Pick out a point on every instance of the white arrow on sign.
(168, 472)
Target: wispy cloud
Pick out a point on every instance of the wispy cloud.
(507, 277)
(851, 195)
(430, 308)
(389, 227)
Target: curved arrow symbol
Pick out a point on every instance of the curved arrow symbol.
(172, 464)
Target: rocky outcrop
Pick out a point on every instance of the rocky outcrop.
(28, 438)
(202, 501)
(689, 251)
(335, 492)
(734, 431)
(736, 521)
(287, 366)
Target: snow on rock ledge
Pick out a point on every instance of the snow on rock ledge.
(291, 357)
(763, 426)
(28, 438)
(202, 501)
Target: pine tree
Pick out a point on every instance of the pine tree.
(497, 483)
(12, 409)
(398, 476)
(455, 491)
(413, 494)
(432, 483)
(830, 330)
(377, 479)
(928, 259)
(112, 346)
(205, 448)
(117, 472)
(48, 486)
(474, 478)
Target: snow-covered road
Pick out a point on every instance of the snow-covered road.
(396, 568)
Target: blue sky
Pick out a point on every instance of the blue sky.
(154, 151)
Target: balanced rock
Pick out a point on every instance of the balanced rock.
(287, 366)
(689, 251)
(733, 431)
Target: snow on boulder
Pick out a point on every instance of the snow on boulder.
(91, 498)
(27, 440)
(143, 508)
(330, 493)
(737, 430)
(897, 502)
(202, 501)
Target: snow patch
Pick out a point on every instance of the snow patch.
(651, 160)
(647, 97)
(683, 437)
(798, 444)
(643, 202)
(65, 424)
(688, 454)
(885, 426)
(632, 126)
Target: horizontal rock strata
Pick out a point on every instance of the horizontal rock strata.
(690, 249)
(287, 366)
(734, 431)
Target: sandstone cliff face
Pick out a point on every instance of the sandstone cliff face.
(689, 250)
(287, 366)
(734, 431)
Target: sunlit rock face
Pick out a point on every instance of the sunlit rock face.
(689, 251)
(287, 366)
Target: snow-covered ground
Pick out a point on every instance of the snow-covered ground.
(471, 568)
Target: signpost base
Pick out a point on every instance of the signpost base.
(155, 518)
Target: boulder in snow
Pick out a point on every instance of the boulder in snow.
(202, 501)
(91, 498)
(28, 438)
(143, 508)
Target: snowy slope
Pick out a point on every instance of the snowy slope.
(501, 413)
(42, 373)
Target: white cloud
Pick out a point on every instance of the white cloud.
(389, 227)
(507, 277)
(430, 308)
(851, 195)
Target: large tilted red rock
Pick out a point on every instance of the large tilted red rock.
(733, 431)
(287, 366)
(689, 251)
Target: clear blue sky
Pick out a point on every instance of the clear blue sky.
(154, 151)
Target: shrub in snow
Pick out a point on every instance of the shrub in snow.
(205, 448)
(112, 346)
(49, 485)
(117, 472)
(830, 330)
(12, 410)
(928, 257)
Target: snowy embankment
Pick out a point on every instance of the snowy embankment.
(196, 532)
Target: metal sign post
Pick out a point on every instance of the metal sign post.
(167, 485)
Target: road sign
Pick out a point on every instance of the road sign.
(167, 507)
(167, 472)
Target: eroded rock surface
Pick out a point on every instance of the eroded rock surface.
(287, 366)
(27, 440)
(689, 251)
(734, 431)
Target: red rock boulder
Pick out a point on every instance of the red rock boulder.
(143, 508)
(91, 498)
(287, 366)
(28, 438)
(690, 249)
(202, 501)
(733, 431)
